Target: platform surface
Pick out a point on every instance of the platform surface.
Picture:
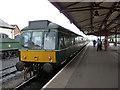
(93, 70)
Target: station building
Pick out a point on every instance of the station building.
(9, 31)
(6, 31)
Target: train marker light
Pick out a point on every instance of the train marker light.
(24, 57)
(35, 58)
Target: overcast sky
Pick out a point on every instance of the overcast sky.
(21, 11)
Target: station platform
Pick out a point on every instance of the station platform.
(91, 69)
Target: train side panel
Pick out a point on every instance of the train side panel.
(7, 44)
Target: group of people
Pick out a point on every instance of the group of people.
(99, 44)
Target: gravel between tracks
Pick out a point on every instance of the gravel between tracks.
(11, 83)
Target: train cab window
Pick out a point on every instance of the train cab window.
(49, 40)
(25, 39)
(37, 40)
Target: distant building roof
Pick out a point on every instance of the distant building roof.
(5, 25)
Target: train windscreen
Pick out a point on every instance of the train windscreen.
(49, 40)
(25, 39)
(37, 40)
(41, 40)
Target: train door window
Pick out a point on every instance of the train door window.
(37, 40)
(25, 39)
(66, 41)
(49, 40)
(62, 42)
(73, 41)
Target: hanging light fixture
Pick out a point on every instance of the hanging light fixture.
(96, 15)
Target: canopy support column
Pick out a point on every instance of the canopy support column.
(116, 37)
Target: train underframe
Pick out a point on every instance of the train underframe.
(7, 54)
(35, 68)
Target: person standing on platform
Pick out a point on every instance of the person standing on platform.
(94, 43)
(98, 44)
(105, 44)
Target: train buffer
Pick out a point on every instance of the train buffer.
(89, 69)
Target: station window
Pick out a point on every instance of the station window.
(3, 35)
(49, 40)
(37, 40)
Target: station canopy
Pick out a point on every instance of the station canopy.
(92, 18)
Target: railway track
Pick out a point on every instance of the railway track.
(40, 82)
(7, 71)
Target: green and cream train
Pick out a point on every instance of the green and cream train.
(46, 45)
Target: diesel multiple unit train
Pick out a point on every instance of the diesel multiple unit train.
(45, 45)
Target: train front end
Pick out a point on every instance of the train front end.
(38, 47)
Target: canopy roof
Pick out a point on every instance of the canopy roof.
(82, 14)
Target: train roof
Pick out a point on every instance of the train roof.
(45, 24)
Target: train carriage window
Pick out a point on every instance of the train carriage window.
(25, 39)
(49, 40)
(37, 40)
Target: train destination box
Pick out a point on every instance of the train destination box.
(38, 24)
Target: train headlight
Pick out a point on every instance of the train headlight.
(24, 57)
(35, 58)
(9, 45)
